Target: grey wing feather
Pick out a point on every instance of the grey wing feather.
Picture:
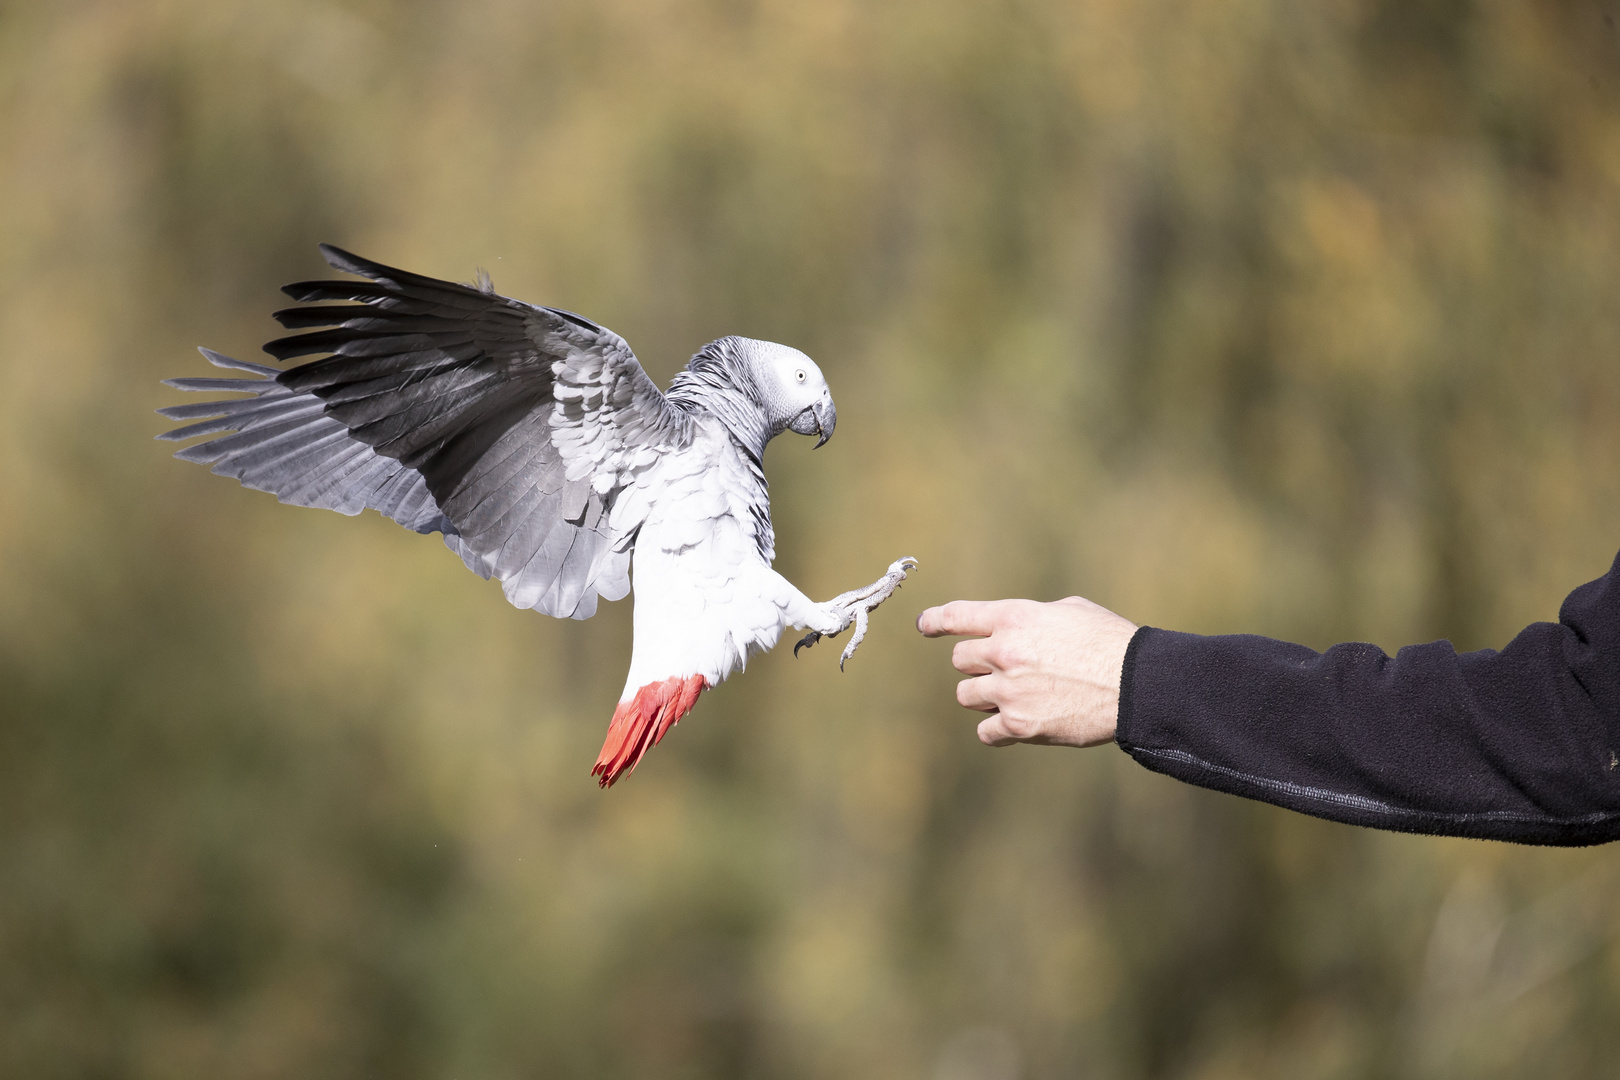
(283, 443)
(435, 407)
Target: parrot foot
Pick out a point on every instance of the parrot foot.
(856, 607)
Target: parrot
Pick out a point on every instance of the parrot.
(533, 441)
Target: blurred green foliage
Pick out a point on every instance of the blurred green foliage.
(1247, 315)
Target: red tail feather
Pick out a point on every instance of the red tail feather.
(639, 723)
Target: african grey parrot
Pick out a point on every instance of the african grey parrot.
(534, 441)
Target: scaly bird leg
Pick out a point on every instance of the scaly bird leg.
(856, 606)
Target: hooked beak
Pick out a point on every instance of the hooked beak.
(826, 420)
(818, 419)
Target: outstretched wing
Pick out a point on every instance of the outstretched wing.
(507, 427)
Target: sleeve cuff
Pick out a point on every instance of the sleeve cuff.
(1127, 683)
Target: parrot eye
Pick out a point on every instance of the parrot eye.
(799, 375)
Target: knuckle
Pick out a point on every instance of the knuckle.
(1012, 657)
(1019, 727)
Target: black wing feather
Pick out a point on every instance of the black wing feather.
(430, 402)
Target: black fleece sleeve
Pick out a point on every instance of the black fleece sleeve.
(1521, 745)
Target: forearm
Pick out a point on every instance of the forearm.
(1517, 745)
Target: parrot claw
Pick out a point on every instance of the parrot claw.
(856, 606)
(862, 617)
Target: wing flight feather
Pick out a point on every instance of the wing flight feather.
(509, 428)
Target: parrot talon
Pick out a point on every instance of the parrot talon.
(862, 617)
(856, 606)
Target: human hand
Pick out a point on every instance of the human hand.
(1046, 673)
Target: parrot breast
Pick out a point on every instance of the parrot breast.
(640, 722)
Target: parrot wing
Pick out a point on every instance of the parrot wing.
(508, 427)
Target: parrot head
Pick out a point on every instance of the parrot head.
(792, 390)
(782, 383)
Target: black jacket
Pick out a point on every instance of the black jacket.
(1521, 744)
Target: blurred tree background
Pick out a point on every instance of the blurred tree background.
(1240, 315)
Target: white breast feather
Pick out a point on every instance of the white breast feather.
(704, 595)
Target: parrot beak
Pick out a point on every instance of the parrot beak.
(826, 420)
(817, 419)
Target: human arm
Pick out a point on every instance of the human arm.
(1520, 745)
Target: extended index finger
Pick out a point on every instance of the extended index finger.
(975, 617)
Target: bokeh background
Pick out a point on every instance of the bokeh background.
(1234, 315)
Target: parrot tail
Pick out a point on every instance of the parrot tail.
(639, 723)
